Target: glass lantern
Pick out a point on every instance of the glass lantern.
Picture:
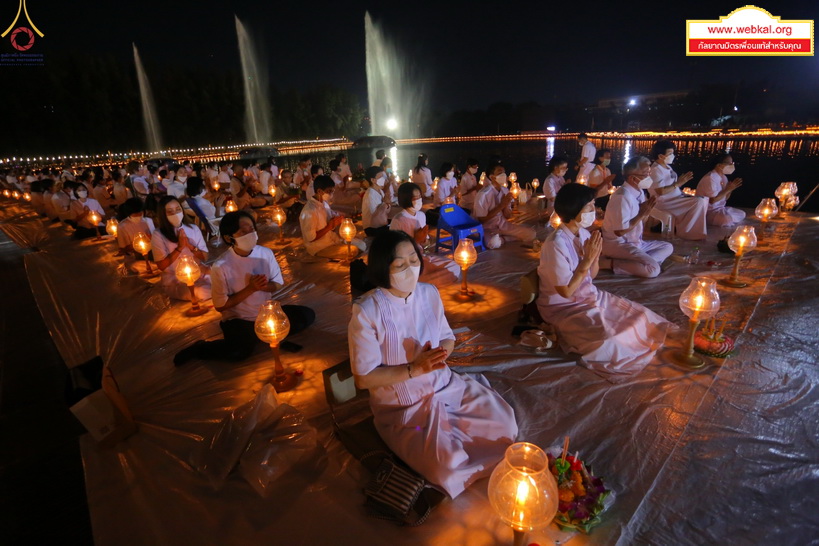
(272, 326)
(279, 216)
(522, 490)
(741, 241)
(188, 272)
(142, 245)
(700, 301)
(112, 226)
(348, 231)
(230, 206)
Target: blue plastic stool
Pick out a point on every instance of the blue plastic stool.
(455, 221)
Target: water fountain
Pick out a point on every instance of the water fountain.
(149, 117)
(395, 96)
(254, 78)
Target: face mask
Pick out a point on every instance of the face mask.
(136, 219)
(417, 204)
(606, 162)
(645, 183)
(405, 280)
(379, 182)
(562, 172)
(669, 159)
(728, 169)
(389, 171)
(247, 241)
(176, 219)
(587, 219)
(450, 174)
(82, 194)
(501, 179)
(182, 179)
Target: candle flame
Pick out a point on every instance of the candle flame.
(698, 301)
(741, 240)
(271, 326)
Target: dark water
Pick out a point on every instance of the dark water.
(762, 163)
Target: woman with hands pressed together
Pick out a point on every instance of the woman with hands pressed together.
(451, 428)
(242, 280)
(611, 334)
(177, 236)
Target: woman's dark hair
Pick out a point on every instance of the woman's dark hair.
(660, 147)
(380, 154)
(340, 156)
(386, 163)
(717, 159)
(116, 175)
(132, 206)
(334, 165)
(382, 253)
(315, 169)
(471, 162)
(230, 224)
(323, 183)
(422, 162)
(598, 155)
(557, 161)
(571, 199)
(373, 172)
(36, 187)
(165, 226)
(490, 170)
(195, 186)
(48, 184)
(445, 168)
(405, 193)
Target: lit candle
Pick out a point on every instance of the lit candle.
(230, 206)
(216, 186)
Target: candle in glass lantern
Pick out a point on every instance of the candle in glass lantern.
(741, 241)
(216, 185)
(27, 196)
(612, 190)
(465, 256)
(699, 301)
(188, 272)
(142, 244)
(272, 326)
(230, 206)
(766, 209)
(112, 226)
(435, 183)
(482, 178)
(279, 216)
(348, 231)
(554, 220)
(513, 177)
(6, 193)
(15, 194)
(535, 184)
(582, 179)
(522, 490)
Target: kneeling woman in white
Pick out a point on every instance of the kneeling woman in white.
(412, 221)
(175, 237)
(689, 213)
(451, 428)
(612, 335)
(716, 187)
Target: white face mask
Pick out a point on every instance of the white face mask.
(247, 241)
(450, 174)
(728, 169)
(176, 219)
(182, 179)
(645, 183)
(606, 162)
(417, 204)
(587, 219)
(562, 172)
(203, 193)
(501, 179)
(405, 280)
(379, 182)
(82, 194)
(669, 159)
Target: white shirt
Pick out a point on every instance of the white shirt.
(212, 174)
(597, 175)
(552, 185)
(231, 273)
(589, 151)
(121, 193)
(372, 198)
(205, 206)
(223, 178)
(468, 181)
(177, 189)
(345, 170)
(141, 186)
(711, 185)
(445, 187)
(299, 176)
(663, 176)
(487, 199)
(559, 258)
(127, 230)
(337, 178)
(423, 177)
(624, 205)
(78, 207)
(264, 182)
(409, 222)
(312, 219)
(161, 247)
(61, 201)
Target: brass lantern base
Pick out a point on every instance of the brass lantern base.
(733, 283)
(682, 358)
(283, 382)
(196, 311)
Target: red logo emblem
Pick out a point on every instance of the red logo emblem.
(22, 39)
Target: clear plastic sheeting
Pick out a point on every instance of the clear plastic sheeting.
(727, 453)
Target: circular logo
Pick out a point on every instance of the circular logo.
(22, 39)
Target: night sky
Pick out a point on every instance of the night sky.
(473, 54)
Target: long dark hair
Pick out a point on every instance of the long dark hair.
(165, 226)
(422, 162)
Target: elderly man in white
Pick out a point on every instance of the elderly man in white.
(624, 249)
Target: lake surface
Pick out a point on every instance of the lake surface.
(762, 163)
